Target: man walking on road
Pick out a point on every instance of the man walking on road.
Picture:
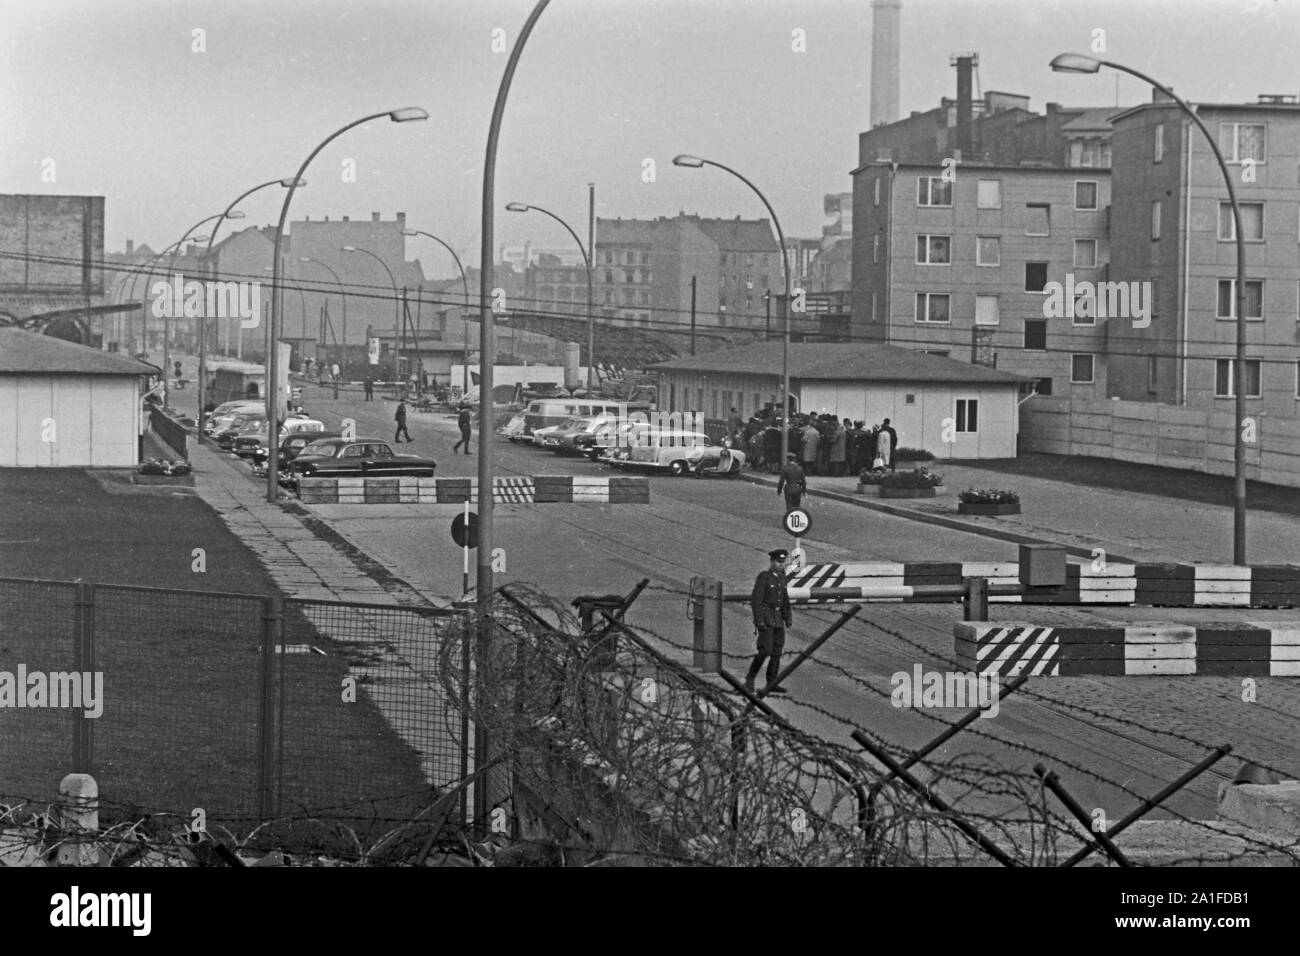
(771, 606)
(792, 482)
(465, 422)
(370, 388)
(400, 418)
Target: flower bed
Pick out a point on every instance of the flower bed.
(983, 501)
(913, 454)
(919, 483)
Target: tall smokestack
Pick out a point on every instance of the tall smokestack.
(965, 69)
(885, 19)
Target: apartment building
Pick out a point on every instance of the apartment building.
(988, 263)
(1173, 228)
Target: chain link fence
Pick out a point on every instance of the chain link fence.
(246, 707)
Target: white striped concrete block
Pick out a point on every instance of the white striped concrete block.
(1157, 668)
(1284, 668)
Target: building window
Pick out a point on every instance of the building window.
(1252, 222)
(645, 258)
(1081, 369)
(1155, 219)
(763, 261)
(988, 251)
(1043, 386)
(932, 307)
(989, 195)
(1085, 253)
(1036, 335)
(876, 192)
(909, 398)
(1228, 299)
(1242, 141)
(968, 415)
(1225, 373)
(1035, 276)
(1158, 148)
(934, 250)
(1090, 154)
(1085, 194)
(1153, 374)
(986, 310)
(1038, 220)
(933, 191)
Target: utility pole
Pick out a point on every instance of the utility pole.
(692, 315)
(591, 265)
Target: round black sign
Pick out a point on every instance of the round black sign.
(459, 533)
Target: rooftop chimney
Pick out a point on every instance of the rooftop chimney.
(374, 217)
(130, 246)
(965, 64)
(345, 219)
(885, 29)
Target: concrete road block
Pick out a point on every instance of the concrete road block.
(1271, 807)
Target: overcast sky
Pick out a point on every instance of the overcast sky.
(114, 94)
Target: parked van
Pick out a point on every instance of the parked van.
(545, 412)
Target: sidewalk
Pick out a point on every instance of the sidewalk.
(1132, 526)
(302, 554)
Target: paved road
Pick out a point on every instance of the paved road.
(1136, 734)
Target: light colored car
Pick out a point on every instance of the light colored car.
(513, 429)
(248, 443)
(578, 436)
(678, 453)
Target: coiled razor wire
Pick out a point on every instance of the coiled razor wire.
(642, 758)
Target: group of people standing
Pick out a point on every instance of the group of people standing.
(822, 444)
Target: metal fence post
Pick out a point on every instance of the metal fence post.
(83, 654)
(272, 640)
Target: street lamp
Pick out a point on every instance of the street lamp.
(230, 213)
(342, 295)
(1080, 63)
(167, 315)
(464, 284)
(586, 258)
(397, 303)
(695, 162)
(405, 115)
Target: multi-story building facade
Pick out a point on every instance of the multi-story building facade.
(978, 266)
(1173, 228)
(748, 266)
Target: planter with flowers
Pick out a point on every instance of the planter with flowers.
(159, 471)
(919, 483)
(982, 501)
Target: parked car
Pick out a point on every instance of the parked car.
(219, 419)
(678, 453)
(238, 425)
(249, 442)
(546, 412)
(609, 438)
(355, 457)
(513, 429)
(290, 447)
(576, 435)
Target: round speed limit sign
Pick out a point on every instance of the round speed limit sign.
(797, 522)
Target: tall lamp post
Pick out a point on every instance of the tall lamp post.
(397, 296)
(342, 295)
(695, 162)
(586, 258)
(464, 285)
(167, 315)
(230, 213)
(404, 115)
(1079, 63)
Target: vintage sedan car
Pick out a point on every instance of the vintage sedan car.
(354, 458)
(513, 429)
(290, 448)
(219, 419)
(576, 436)
(678, 453)
(240, 424)
(249, 443)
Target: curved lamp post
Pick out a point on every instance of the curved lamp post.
(342, 295)
(586, 259)
(397, 300)
(464, 285)
(1079, 63)
(695, 162)
(167, 315)
(229, 213)
(404, 115)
